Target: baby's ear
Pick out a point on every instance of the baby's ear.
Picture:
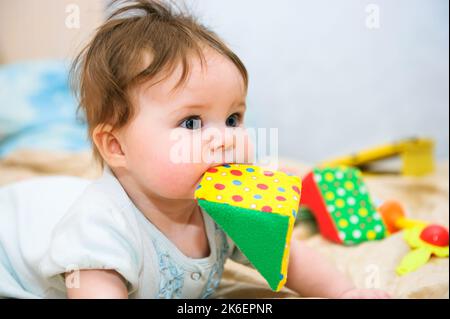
(108, 145)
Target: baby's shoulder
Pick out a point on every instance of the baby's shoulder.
(98, 232)
(98, 205)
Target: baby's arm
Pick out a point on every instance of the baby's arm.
(105, 284)
(310, 275)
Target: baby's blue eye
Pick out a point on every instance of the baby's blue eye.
(192, 123)
(233, 120)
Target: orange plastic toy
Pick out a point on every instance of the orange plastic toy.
(424, 239)
(394, 217)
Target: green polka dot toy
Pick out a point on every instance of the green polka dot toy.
(342, 206)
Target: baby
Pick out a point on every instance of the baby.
(148, 74)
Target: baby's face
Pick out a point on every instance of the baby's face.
(177, 134)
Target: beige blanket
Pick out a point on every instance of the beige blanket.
(370, 265)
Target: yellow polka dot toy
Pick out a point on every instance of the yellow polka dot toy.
(256, 207)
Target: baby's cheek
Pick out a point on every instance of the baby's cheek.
(178, 181)
(165, 172)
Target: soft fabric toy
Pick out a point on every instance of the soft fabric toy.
(342, 206)
(257, 209)
(345, 213)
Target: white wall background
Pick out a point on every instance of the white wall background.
(330, 84)
(36, 29)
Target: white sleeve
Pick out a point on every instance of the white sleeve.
(95, 234)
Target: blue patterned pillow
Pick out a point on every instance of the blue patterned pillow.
(37, 108)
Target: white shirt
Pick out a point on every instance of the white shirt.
(52, 225)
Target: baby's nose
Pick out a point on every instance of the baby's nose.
(232, 145)
(223, 140)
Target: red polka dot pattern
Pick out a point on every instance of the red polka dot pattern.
(236, 172)
(251, 187)
(237, 198)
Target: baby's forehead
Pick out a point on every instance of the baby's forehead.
(206, 80)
